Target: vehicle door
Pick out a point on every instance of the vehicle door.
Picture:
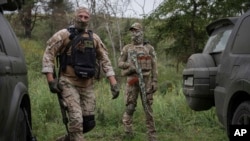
(5, 77)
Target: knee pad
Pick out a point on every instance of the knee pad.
(88, 123)
(130, 109)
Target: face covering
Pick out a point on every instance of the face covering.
(79, 24)
(137, 37)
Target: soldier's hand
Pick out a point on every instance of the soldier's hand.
(154, 87)
(132, 68)
(115, 91)
(125, 65)
(54, 86)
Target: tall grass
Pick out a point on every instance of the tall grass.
(174, 120)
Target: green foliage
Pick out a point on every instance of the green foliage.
(174, 120)
(33, 52)
(176, 29)
(184, 23)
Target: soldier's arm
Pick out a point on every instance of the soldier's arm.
(123, 59)
(53, 45)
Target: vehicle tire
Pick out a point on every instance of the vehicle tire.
(21, 126)
(242, 114)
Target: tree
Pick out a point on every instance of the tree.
(184, 23)
(28, 21)
(59, 13)
(107, 16)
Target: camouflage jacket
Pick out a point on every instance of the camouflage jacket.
(56, 45)
(149, 67)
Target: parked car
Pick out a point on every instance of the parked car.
(220, 75)
(15, 110)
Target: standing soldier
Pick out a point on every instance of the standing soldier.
(138, 63)
(78, 49)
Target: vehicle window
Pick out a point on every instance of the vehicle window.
(242, 41)
(218, 41)
(9, 41)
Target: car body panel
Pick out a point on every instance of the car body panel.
(234, 75)
(203, 67)
(13, 78)
(232, 61)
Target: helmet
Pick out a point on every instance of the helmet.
(137, 26)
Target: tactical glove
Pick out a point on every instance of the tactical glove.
(115, 91)
(54, 86)
(125, 65)
(132, 68)
(153, 87)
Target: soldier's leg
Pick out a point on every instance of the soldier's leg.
(150, 125)
(72, 99)
(131, 95)
(149, 114)
(127, 118)
(88, 103)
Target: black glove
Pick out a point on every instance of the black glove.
(54, 86)
(115, 91)
(154, 87)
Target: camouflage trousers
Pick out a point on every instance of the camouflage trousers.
(132, 93)
(80, 101)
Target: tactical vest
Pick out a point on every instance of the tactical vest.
(83, 54)
(144, 58)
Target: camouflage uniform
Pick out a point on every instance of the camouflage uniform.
(78, 93)
(147, 63)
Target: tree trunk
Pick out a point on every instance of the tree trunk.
(112, 44)
(26, 19)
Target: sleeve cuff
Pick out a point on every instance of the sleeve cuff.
(47, 69)
(111, 73)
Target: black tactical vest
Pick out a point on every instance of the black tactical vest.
(83, 54)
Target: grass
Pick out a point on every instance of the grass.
(174, 120)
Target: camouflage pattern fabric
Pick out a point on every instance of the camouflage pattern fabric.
(125, 63)
(147, 62)
(78, 93)
(56, 45)
(131, 95)
(135, 58)
(80, 102)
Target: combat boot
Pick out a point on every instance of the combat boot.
(152, 139)
(152, 136)
(128, 136)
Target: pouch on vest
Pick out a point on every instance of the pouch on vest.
(83, 57)
(145, 62)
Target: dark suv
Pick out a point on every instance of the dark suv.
(220, 75)
(15, 113)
